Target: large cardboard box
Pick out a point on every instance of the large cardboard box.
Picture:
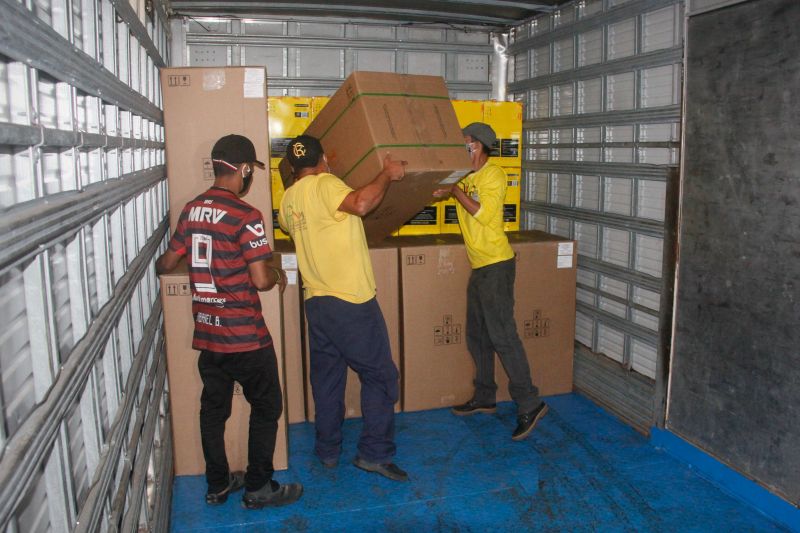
(384, 264)
(410, 117)
(437, 368)
(292, 321)
(185, 384)
(544, 308)
(200, 106)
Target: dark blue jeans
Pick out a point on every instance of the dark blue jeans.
(343, 334)
(257, 373)
(491, 328)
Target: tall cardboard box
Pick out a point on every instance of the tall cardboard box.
(410, 117)
(437, 368)
(544, 309)
(185, 384)
(200, 106)
(384, 264)
(293, 349)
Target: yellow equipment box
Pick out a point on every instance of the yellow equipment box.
(289, 116)
(505, 118)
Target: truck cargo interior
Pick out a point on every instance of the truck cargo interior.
(652, 203)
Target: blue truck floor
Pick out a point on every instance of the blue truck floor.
(580, 470)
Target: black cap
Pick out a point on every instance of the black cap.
(235, 150)
(481, 132)
(304, 152)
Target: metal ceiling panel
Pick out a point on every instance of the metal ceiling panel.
(494, 13)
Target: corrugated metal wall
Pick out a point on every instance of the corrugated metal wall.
(85, 426)
(601, 82)
(312, 57)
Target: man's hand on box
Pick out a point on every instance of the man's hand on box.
(394, 169)
(444, 192)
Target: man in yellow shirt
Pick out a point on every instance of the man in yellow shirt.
(345, 324)
(490, 294)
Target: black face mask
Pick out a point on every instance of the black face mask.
(246, 181)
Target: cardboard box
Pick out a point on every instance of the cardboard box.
(292, 340)
(384, 264)
(506, 120)
(200, 106)
(289, 116)
(410, 117)
(185, 384)
(544, 308)
(437, 368)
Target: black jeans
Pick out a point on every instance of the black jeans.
(491, 328)
(257, 373)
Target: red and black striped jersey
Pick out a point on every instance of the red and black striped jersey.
(221, 234)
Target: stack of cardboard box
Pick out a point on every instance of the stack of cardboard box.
(200, 106)
(421, 280)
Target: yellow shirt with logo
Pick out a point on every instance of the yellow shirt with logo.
(483, 232)
(332, 251)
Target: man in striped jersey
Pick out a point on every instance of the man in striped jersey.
(224, 240)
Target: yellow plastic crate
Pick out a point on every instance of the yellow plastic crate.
(277, 196)
(289, 116)
(506, 120)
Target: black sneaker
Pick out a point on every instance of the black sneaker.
(388, 470)
(235, 482)
(272, 495)
(527, 421)
(472, 407)
(333, 462)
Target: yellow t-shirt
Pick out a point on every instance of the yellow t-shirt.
(483, 232)
(331, 246)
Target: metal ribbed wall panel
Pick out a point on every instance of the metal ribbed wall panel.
(83, 196)
(601, 83)
(312, 57)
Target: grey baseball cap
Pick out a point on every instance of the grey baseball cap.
(481, 132)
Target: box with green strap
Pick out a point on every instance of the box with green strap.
(409, 117)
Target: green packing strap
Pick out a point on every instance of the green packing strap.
(398, 146)
(403, 95)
